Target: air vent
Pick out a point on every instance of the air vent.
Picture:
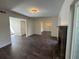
(2, 12)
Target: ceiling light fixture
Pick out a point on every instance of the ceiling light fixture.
(34, 10)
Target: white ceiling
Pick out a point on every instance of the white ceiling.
(48, 8)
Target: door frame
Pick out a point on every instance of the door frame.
(74, 5)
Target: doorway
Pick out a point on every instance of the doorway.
(18, 28)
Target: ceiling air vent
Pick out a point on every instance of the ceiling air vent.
(2, 12)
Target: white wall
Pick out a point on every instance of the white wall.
(30, 27)
(54, 21)
(65, 12)
(23, 27)
(4, 30)
(65, 19)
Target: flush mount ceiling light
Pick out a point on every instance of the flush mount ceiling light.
(34, 10)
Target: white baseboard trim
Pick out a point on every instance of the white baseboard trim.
(1, 46)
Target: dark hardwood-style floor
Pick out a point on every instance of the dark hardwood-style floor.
(33, 47)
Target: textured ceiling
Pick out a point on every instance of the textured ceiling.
(48, 8)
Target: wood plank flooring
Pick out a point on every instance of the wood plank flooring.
(32, 47)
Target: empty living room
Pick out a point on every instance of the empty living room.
(39, 29)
